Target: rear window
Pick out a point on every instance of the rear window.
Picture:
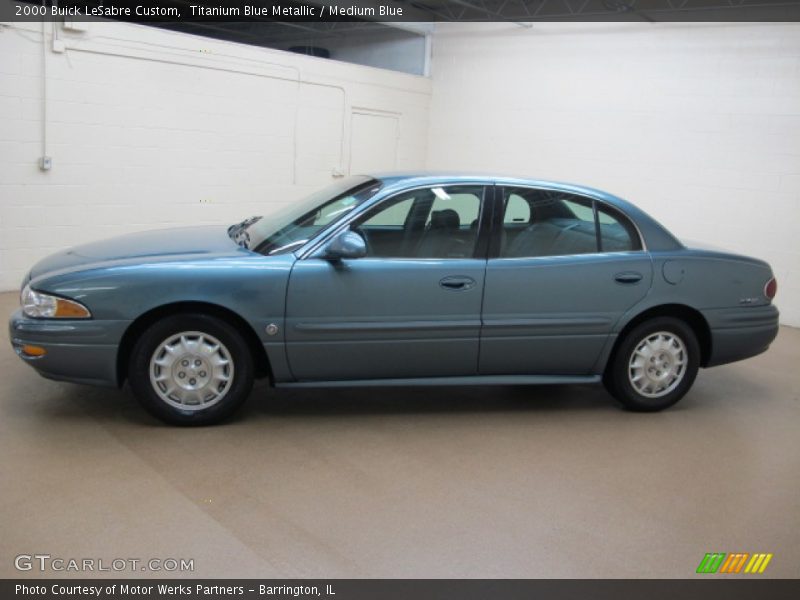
(552, 223)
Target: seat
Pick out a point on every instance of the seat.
(439, 240)
(554, 238)
(535, 240)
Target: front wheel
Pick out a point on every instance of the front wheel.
(655, 365)
(191, 369)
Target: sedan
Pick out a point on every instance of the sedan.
(397, 280)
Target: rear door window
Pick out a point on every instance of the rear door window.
(561, 224)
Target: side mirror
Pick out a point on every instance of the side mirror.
(347, 244)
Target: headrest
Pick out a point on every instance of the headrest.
(445, 219)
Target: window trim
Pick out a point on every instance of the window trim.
(494, 253)
(615, 213)
(598, 237)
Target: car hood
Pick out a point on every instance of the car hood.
(161, 244)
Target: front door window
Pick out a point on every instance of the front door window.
(436, 222)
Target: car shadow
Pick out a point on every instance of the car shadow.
(67, 401)
(425, 400)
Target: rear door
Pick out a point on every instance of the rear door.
(562, 271)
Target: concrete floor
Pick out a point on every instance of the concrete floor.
(447, 482)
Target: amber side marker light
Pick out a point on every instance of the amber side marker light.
(66, 309)
(771, 288)
(31, 350)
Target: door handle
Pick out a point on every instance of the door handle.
(457, 283)
(628, 277)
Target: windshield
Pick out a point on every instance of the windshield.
(290, 228)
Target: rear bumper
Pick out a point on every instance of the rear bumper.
(739, 333)
(76, 351)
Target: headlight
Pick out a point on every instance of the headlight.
(38, 305)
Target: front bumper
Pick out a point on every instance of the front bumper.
(79, 351)
(739, 333)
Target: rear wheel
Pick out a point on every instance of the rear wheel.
(655, 365)
(191, 369)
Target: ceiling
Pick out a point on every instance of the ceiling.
(420, 15)
(525, 12)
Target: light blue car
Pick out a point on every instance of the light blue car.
(397, 280)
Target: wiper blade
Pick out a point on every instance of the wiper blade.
(233, 229)
(238, 232)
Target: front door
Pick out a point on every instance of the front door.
(410, 308)
(563, 271)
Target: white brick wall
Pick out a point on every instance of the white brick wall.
(150, 128)
(699, 124)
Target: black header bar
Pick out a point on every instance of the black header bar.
(397, 589)
(521, 11)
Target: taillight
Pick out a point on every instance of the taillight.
(771, 288)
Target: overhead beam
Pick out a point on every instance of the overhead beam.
(420, 28)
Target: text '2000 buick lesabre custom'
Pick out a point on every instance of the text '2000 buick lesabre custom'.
(398, 280)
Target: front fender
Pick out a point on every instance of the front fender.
(253, 287)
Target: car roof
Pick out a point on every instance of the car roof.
(411, 178)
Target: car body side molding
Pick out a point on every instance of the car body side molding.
(454, 381)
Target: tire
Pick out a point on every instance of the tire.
(654, 365)
(191, 369)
